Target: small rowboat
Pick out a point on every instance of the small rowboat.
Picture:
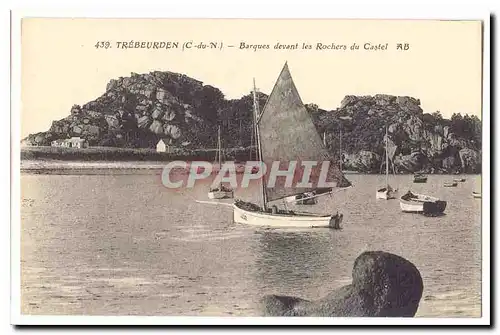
(420, 203)
(476, 195)
(459, 180)
(450, 184)
(220, 192)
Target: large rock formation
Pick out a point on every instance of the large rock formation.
(383, 285)
(418, 141)
(139, 110)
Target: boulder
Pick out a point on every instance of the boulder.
(410, 163)
(58, 127)
(93, 114)
(113, 122)
(149, 93)
(348, 101)
(414, 128)
(435, 142)
(384, 99)
(449, 163)
(392, 128)
(141, 108)
(364, 161)
(446, 132)
(77, 130)
(169, 115)
(162, 94)
(172, 131)
(76, 110)
(470, 159)
(144, 121)
(383, 285)
(157, 113)
(113, 84)
(93, 130)
(188, 115)
(39, 139)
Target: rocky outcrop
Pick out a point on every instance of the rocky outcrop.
(139, 110)
(470, 159)
(361, 161)
(409, 163)
(418, 141)
(383, 285)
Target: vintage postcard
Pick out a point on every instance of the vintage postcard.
(263, 168)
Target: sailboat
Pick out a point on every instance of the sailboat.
(386, 192)
(285, 132)
(310, 198)
(220, 192)
(421, 203)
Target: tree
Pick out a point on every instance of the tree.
(437, 116)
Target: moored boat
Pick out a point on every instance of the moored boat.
(450, 184)
(419, 178)
(420, 203)
(220, 192)
(280, 137)
(459, 180)
(476, 195)
(386, 192)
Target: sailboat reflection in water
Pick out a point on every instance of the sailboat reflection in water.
(286, 134)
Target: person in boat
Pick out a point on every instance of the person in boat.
(408, 196)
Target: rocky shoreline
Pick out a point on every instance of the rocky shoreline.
(51, 166)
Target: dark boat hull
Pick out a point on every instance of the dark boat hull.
(420, 180)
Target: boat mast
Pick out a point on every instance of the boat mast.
(259, 148)
(252, 135)
(386, 161)
(219, 149)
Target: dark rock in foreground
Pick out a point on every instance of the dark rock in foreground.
(383, 285)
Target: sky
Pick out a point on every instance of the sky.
(61, 66)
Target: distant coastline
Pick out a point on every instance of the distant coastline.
(113, 154)
(97, 160)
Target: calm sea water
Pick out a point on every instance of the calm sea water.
(123, 244)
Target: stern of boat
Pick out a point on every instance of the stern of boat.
(435, 207)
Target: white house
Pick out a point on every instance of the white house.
(161, 146)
